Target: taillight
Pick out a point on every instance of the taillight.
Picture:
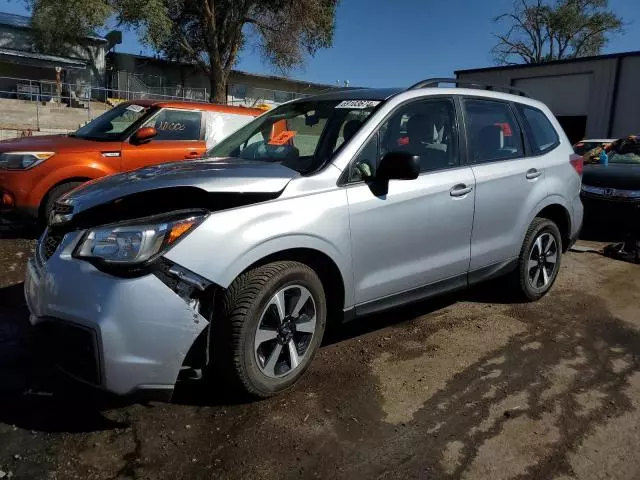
(577, 162)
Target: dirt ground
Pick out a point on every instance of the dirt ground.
(468, 386)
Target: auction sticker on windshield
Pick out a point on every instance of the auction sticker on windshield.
(357, 104)
(135, 108)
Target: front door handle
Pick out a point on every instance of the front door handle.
(533, 173)
(193, 154)
(460, 190)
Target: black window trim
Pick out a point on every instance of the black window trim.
(343, 180)
(509, 106)
(529, 131)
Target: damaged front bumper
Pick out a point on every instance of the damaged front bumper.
(123, 335)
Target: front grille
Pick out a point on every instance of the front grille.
(610, 198)
(49, 244)
(71, 347)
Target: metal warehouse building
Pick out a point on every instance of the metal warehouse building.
(592, 97)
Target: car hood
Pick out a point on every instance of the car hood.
(622, 176)
(49, 143)
(213, 175)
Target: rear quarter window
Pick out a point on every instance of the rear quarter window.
(542, 135)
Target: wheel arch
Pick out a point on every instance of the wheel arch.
(559, 215)
(45, 197)
(324, 265)
(321, 263)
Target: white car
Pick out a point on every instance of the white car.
(323, 209)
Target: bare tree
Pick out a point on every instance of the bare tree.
(543, 30)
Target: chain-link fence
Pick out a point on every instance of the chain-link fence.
(125, 84)
(43, 105)
(29, 106)
(237, 93)
(249, 96)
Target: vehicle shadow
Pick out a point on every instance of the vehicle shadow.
(495, 291)
(33, 395)
(18, 231)
(597, 232)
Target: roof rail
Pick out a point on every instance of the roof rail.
(436, 82)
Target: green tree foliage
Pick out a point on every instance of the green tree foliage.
(543, 30)
(207, 33)
(60, 24)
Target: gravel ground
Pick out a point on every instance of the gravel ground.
(468, 386)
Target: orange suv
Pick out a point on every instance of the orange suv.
(35, 171)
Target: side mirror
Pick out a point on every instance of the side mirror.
(143, 135)
(398, 166)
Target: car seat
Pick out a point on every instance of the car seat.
(488, 144)
(350, 128)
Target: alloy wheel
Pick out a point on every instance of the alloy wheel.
(285, 330)
(543, 260)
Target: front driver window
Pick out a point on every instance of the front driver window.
(426, 128)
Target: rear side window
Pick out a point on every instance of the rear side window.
(494, 133)
(542, 136)
(176, 125)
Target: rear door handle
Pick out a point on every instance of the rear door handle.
(460, 190)
(533, 173)
(193, 154)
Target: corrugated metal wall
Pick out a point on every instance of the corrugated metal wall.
(627, 113)
(580, 88)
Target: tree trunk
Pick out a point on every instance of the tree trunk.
(218, 81)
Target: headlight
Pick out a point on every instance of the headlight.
(628, 193)
(23, 160)
(134, 243)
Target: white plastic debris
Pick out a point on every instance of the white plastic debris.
(220, 125)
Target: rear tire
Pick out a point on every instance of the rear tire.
(539, 261)
(269, 325)
(52, 197)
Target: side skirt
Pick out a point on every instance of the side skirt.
(424, 292)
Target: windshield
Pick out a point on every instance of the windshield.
(302, 135)
(111, 124)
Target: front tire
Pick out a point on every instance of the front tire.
(270, 323)
(539, 261)
(52, 197)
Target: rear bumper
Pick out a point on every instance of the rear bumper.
(120, 335)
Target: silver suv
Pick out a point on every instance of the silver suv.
(323, 209)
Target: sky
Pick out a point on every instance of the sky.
(389, 43)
